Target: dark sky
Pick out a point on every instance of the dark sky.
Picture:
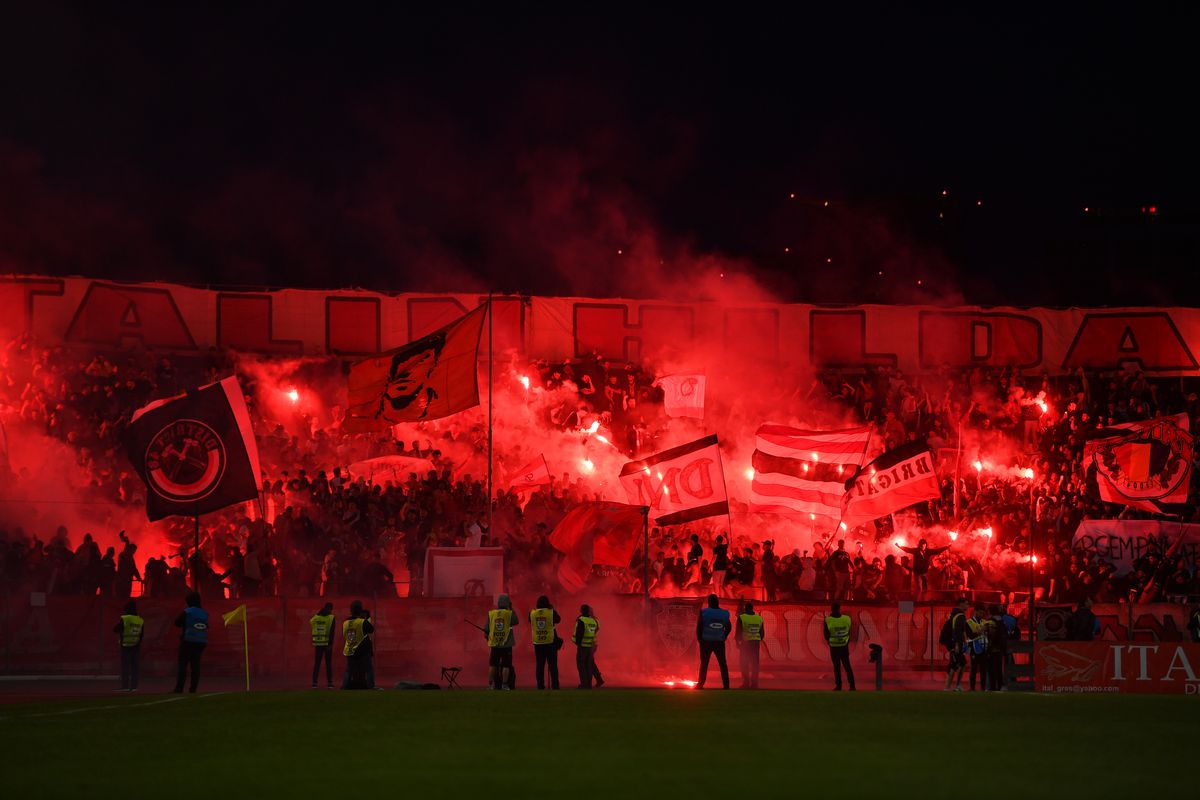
(555, 152)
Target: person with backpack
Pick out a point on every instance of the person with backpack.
(997, 649)
(954, 637)
(977, 640)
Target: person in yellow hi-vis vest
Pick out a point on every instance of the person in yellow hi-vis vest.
(322, 627)
(546, 642)
(358, 649)
(130, 627)
(499, 632)
(587, 631)
(837, 633)
(749, 636)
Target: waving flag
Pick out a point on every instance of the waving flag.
(1147, 465)
(429, 378)
(683, 395)
(682, 484)
(803, 473)
(195, 452)
(897, 479)
(596, 533)
(531, 476)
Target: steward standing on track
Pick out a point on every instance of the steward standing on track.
(129, 627)
(712, 629)
(977, 638)
(954, 638)
(587, 631)
(749, 636)
(1193, 625)
(194, 622)
(501, 621)
(322, 624)
(545, 641)
(837, 634)
(358, 650)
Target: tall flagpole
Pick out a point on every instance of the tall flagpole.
(246, 643)
(491, 533)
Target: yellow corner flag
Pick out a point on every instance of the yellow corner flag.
(239, 615)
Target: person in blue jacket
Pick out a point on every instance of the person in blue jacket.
(194, 622)
(712, 629)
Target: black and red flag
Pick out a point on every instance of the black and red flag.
(195, 452)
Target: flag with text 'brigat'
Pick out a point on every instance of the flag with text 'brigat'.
(897, 479)
(195, 452)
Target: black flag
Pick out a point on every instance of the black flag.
(195, 452)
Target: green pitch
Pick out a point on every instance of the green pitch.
(607, 743)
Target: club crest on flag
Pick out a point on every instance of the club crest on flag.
(195, 452)
(185, 461)
(1147, 464)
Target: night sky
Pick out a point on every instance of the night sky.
(558, 153)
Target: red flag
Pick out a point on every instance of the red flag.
(897, 479)
(429, 378)
(534, 474)
(803, 473)
(596, 533)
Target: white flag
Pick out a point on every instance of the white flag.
(683, 395)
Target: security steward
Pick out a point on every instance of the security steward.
(194, 622)
(712, 629)
(546, 643)
(749, 636)
(358, 649)
(129, 627)
(501, 621)
(322, 625)
(587, 630)
(837, 634)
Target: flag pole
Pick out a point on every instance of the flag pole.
(246, 642)
(195, 566)
(491, 533)
(646, 553)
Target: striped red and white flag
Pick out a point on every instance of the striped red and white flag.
(803, 473)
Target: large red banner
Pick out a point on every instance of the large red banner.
(175, 318)
(1117, 667)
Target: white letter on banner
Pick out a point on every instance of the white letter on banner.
(1180, 658)
(1118, 673)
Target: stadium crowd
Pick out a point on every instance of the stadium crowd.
(1010, 447)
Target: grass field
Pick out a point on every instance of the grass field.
(612, 744)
